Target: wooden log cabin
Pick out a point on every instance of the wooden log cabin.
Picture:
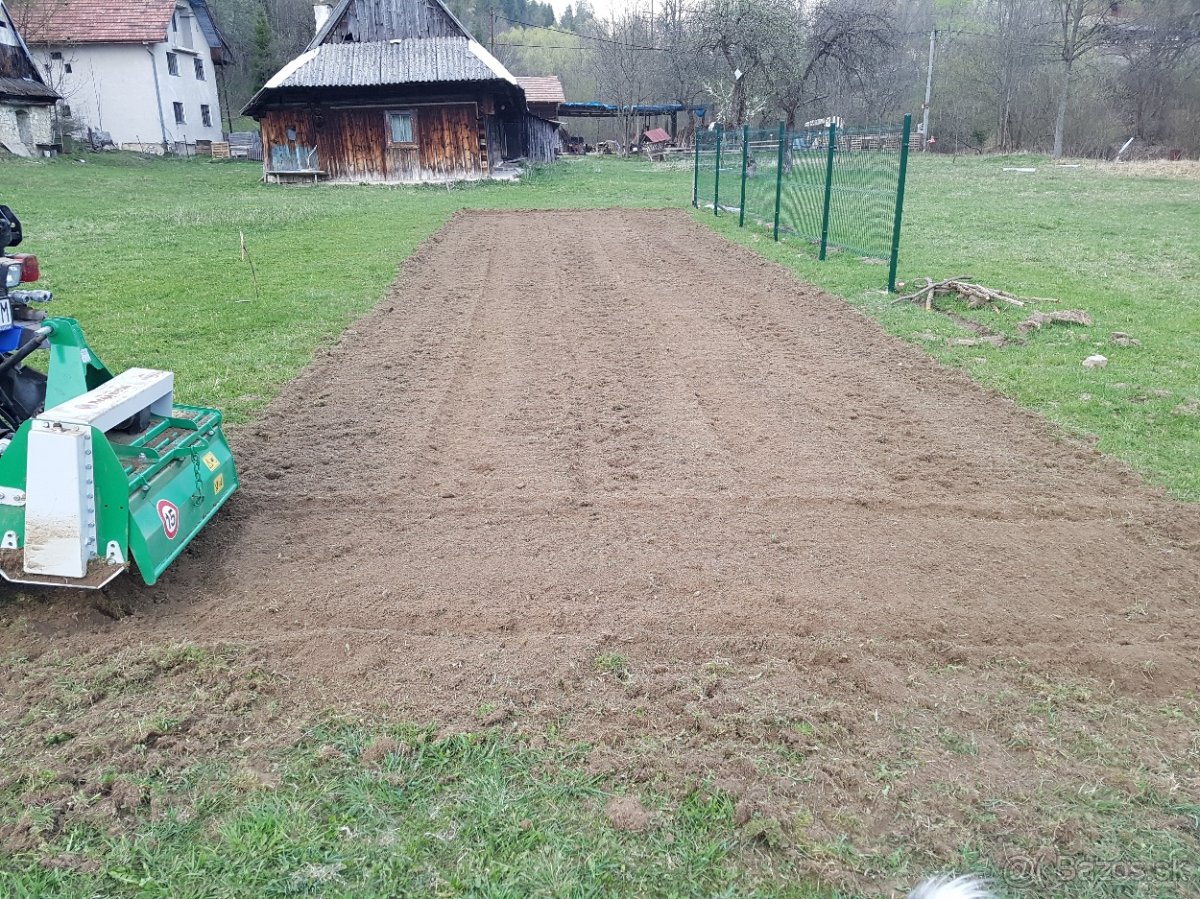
(395, 91)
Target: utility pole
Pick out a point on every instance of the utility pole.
(928, 95)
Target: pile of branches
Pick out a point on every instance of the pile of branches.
(979, 296)
(976, 295)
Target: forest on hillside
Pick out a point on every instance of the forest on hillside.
(1070, 76)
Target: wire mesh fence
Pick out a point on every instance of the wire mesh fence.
(828, 185)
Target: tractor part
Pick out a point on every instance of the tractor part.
(112, 471)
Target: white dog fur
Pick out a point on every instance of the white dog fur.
(948, 886)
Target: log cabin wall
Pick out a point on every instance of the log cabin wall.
(542, 141)
(353, 143)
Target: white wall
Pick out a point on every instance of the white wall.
(111, 88)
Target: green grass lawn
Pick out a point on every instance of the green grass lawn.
(147, 254)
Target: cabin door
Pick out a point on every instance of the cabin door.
(433, 143)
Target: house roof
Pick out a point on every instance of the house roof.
(402, 61)
(344, 6)
(111, 22)
(542, 88)
(97, 21)
(21, 81)
(25, 89)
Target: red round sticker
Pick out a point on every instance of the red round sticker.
(168, 514)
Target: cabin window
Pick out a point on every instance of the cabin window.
(199, 64)
(55, 54)
(67, 68)
(206, 116)
(172, 64)
(402, 128)
(178, 113)
(66, 111)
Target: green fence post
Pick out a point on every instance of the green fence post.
(696, 171)
(899, 205)
(779, 175)
(828, 189)
(745, 160)
(717, 176)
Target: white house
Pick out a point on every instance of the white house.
(143, 71)
(26, 100)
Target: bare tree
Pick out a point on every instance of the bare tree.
(1157, 48)
(624, 63)
(836, 43)
(749, 37)
(1083, 26)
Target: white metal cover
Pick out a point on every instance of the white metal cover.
(60, 508)
(113, 402)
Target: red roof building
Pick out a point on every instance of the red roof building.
(543, 93)
(141, 72)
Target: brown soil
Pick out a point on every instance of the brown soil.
(627, 813)
(604, 467)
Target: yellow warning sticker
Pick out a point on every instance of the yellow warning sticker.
(211, 461)
(218, 484)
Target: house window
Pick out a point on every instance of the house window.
(199, 64)
(172, 64)
(56, 54)
(402, 128)
(206, 116)
(179, 120)
(184, 38)
(67, 67)
(66, 111)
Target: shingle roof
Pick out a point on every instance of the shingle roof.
(21, 80)
(26, 89)
(97, 21)
(406, 61)
(542, 88)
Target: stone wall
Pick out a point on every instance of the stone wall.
(23, 138)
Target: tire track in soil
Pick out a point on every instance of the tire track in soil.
(568, 433)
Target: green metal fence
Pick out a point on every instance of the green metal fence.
(831, 186)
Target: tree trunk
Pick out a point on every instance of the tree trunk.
(1064, 98)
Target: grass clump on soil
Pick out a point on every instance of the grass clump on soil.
(464, 815)
(189, 771)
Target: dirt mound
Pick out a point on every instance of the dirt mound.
(686, 520)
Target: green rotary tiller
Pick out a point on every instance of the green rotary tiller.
(96, 470)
